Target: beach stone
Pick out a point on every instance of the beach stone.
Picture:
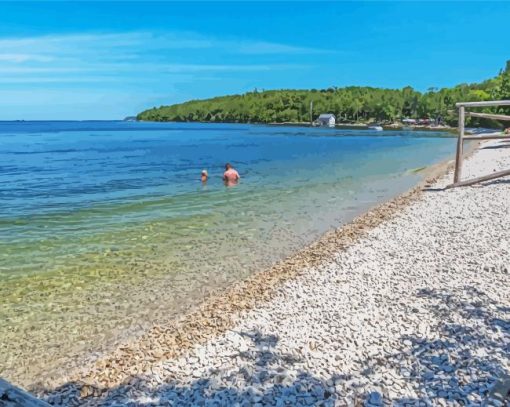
(375, 398)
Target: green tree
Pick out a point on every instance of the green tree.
(349, 104)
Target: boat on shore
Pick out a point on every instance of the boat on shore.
(375, 127)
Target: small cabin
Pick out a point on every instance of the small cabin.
(326, 119)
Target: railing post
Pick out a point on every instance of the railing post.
(460, 146)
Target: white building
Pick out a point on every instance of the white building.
(326, 119)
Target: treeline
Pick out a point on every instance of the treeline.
(350, 104)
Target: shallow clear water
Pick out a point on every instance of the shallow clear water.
(105, 227)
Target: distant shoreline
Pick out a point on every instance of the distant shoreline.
(363, 126)
(346, 126)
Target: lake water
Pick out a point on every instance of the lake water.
(106, 229)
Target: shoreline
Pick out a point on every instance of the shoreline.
(345, 126)
(217, 313)
(220, 311)
(364, 126)
(58, 347)
(376, 311)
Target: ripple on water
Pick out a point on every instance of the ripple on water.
(100, 239)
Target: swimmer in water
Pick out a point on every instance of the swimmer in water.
(204, 176)
(230, 176)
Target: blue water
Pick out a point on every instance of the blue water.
(105, 227)
(65, 166)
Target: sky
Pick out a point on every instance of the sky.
(109, 60)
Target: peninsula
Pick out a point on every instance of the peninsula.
(350, 105)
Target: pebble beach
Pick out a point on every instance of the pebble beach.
(407, 305)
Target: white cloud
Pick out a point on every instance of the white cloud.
(12, 80)
(140, 68)
(69, 42)
(274, 48)
(20, 58)
(20, 70)
(69, 57)
(221, 68)
(51, 47)
(69, 75)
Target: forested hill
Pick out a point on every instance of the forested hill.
(350, 104)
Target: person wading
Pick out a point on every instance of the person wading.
(204, 176)
(230, 176)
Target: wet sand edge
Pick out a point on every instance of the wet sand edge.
(220, 311)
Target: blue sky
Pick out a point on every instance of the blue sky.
(97, 60)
